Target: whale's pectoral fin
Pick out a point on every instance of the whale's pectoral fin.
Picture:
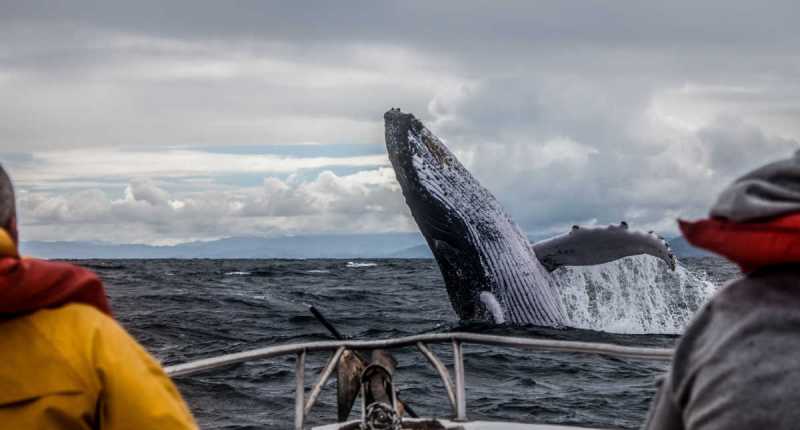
(590, 246)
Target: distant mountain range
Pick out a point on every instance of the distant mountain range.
(394, 245)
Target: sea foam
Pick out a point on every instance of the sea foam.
(353, 264)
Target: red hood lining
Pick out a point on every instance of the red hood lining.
(27, 285)
(751, 245)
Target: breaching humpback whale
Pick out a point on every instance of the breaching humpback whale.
(490, 270)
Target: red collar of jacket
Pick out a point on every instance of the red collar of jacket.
(751, 245)
(27, 284)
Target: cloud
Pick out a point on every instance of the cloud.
(84, 206)
(115, 89)
(735, 148)
(55, 166)
(581, 150)
(570, 112)
(356, 194)
(366, 201)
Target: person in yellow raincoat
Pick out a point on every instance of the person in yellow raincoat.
(66, 363)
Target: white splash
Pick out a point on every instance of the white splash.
(633, 295)
(238, 273)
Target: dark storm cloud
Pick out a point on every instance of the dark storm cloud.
(596, 110)
(442, 24)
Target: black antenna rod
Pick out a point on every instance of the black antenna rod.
(318, 315)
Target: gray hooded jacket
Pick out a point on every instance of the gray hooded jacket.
(737, 365)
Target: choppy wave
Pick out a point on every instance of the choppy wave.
(103, 265)
(253, 273)
(238, 273)
(353, 264)
(635, 295)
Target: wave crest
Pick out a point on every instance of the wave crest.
(353, 264)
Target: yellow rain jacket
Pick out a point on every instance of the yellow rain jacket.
(75, 368)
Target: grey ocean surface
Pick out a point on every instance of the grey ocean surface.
(189, 309)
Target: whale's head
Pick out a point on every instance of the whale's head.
(461, 221)
(434, 186)
(426, 169)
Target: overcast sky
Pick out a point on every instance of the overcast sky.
(149, 122)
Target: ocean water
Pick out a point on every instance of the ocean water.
(189, 309)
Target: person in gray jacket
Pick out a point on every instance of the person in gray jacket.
(737, 365)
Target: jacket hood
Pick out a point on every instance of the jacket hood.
(755, 222)
(27, 284)
(769, 191)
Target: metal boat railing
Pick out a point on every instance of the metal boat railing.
(456, 391)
